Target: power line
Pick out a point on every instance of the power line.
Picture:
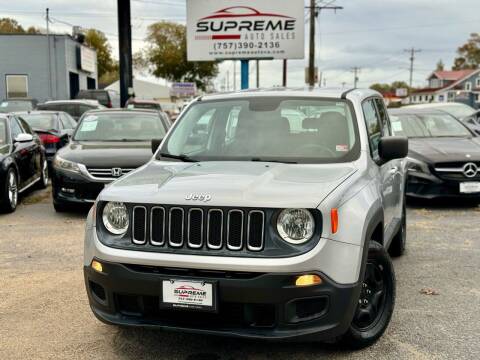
(412, 52)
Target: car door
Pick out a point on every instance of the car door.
(36, 148)
(22, 153)
(385, 175)
(394, 166)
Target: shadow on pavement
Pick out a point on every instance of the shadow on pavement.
(445, 203)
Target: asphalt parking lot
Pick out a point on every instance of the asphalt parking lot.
(44, 312)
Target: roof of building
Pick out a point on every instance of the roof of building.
(452, 75)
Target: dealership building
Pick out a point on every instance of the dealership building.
(42, 67)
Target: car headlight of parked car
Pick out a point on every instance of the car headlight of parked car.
(295, 226)
(417, 166)
(65, 165)
(115, 218)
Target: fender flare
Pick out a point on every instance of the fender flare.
(377, 219)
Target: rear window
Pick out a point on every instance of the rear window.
(40, 121)
(11, 106)
(119, 127)
(101, 96)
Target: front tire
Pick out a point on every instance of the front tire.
(43, 183)
(9, 195)
(377, 300)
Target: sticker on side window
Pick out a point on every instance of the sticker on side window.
(341, 148)
(89, 125)
(397, 126)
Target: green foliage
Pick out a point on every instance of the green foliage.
(469, 54)
(389, 88)
(440, 66)
(167, 56)
(107, 67)
(11, 26)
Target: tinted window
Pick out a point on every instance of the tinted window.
(83, 109)
(15, 105)
(68, 121)
(428, 125)
(15, 128)
(3, 132)
(119, 127)
(259, 128)
(374, 127)
(25, 126)
(382, 113)
(41, 121)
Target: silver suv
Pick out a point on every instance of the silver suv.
(263, 214)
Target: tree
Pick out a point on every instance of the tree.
(469, 54)
(381, 88)
(11, 26)
(167, 56)
(107, 67)
(440, 66)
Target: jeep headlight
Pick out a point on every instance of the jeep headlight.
(65, 165)
(295, 226)
(115, 218)
(417, 166)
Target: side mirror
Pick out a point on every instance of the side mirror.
(21, 138)
(155, 144)
(394, 147)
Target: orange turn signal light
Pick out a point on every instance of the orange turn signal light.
(308, 280)
(97, 266)
(334, 220)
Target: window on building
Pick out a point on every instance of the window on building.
(477, 83)
(468, 86)
(17, 86)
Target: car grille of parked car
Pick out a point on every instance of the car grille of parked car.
(108, 173)
(455, 171)
(197, 228)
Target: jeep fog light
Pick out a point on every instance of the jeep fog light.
(97, 266)
(308, 280)
(295, 226)
(115, 218)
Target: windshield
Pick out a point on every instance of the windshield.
(427, 125)
(40, 121)
(119, 127)
(460, 111)
(3, 132)
(266, 129)
(12, 106)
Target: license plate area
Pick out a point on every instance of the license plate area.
(470, 187)
(193, 295)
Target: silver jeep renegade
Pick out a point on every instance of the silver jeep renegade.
(263, 214)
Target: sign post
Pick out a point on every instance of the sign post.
(245, 30)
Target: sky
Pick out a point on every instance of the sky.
(370, 34)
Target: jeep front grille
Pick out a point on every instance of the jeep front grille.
(197, 228)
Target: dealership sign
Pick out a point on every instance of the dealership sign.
(86, 59)
(184, 89)
(245, 29)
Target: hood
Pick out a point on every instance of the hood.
(107, 154)
(434, 150)
(242, 184)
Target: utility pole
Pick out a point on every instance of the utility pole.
(284, 78)
(314, 11)
(49, 56)
(355, 71)
(412, 52)
(125, 50)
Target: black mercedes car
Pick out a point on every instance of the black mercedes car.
(23, 163)
(444, 154)
(106, 145)
(53, 127)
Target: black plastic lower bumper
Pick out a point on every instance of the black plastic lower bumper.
(426, 189)
(74, 189)
(251, 305)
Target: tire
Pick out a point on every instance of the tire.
(43, 183)
(397, 247)
(376, 302)
(9, 193)
(61, 208)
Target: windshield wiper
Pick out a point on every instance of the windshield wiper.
(256, 159)
(181, 157)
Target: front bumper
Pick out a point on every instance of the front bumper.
(72, 188)
(431, 187)
(251, 305)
